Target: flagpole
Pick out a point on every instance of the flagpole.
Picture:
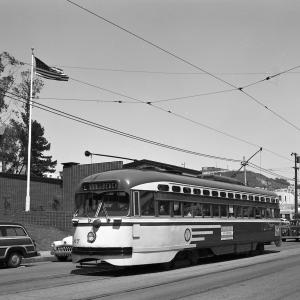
(27, 204)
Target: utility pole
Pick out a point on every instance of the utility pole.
(297, 160)
(244, 163)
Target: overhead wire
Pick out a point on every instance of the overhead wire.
(88, 100)
(115, 131)
(254, 166)
(136, 100)
(186, 119)
(184, 61)
(173, 73)
(112, 130)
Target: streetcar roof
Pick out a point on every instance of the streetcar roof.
(128, 178)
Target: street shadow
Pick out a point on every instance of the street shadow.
(113, 271)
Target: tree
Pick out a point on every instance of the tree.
(15, 140)
(8, 67)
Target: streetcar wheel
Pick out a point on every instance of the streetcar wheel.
(193, 257)
(260, 248)
(14, 260)
(62, 258)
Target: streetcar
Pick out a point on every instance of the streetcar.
(133, 217)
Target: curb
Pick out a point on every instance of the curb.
(41, 257)
(38, 259)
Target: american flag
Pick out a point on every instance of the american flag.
(47, 72)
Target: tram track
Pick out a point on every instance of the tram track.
(221, 284)
(77, 277)
(10, 285)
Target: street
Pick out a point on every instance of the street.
(273, 275)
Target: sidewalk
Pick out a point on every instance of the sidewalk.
(42, 256)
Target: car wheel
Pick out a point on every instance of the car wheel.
(62, 258)
(14, 260)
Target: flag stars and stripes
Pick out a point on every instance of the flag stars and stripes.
(52, 73)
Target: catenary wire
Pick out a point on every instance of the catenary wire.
(131, 102)
(99, 126)
(185, 118)
(177, 115)
(184, 61)
(254, 166)
(115, 131)
(93, 124)
(177, 73)
(88, 100)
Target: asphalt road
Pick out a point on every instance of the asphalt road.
(273, 275)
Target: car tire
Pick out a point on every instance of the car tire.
(62, 258)
(14, 260)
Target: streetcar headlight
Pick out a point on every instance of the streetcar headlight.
(91, 237)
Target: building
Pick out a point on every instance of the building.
(287, 202)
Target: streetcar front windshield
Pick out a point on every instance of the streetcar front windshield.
(99, 204)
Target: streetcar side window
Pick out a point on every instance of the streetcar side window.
(250, 212)
(206, 210)
(238, 211)
(215, 210)
(223, 210)
(198, 210)
(245, 211)
(147, 203)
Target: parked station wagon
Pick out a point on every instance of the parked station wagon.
(15, 243)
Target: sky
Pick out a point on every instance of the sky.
(235, 43)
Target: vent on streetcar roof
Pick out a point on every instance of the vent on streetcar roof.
(163, 187)
(176, 189)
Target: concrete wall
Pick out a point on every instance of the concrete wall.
(45, 193)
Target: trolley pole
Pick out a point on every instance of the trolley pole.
(244, 163)
(297, 159)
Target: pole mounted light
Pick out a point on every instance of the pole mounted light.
(87, 153)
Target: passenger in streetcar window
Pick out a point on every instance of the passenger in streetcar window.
(187, 209)
(176, 209)
(164, 208)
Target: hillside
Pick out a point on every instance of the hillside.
(259, 180)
